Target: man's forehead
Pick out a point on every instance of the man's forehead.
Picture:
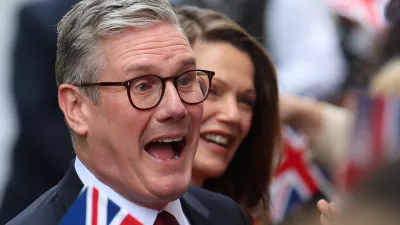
(158, 39)
(142, 49)
(155, 32)
(143, 67)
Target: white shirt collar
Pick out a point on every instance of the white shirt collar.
(145, 215)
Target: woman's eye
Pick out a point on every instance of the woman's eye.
(249, 102)
(213, 91)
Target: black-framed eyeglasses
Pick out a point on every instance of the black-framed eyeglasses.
(146, 92)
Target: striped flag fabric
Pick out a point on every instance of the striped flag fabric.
(93, 207)
(375, 138)
(297, 180)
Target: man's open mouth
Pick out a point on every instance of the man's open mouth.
(166, 148)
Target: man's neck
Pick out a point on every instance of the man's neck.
(143, 214)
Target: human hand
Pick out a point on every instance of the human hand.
(328, 211)
(304, 114)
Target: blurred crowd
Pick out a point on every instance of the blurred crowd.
(325, 122)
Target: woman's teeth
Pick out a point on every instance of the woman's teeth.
(217, 139)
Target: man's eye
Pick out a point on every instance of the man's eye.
(143, 87)
(184, 81)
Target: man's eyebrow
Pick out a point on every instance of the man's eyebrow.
(138, 68)
(190, 62)
(145, 68)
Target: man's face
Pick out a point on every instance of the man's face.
(129, 149)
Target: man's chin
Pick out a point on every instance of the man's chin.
(160, 195)
(172, 190)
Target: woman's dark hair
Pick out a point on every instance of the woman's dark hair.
(247, 177)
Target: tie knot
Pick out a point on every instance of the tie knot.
(165, 218)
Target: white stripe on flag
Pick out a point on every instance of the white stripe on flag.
(102, 210)
(89, 197)
(119, 218)
(324, 185)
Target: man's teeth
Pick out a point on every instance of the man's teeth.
(218, 139)
(171, 141)
(168, 140)
(175, 158)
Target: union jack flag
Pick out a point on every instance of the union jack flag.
(297, 180)
(375, 138)
(93, 207)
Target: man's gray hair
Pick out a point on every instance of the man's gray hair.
(79, 55)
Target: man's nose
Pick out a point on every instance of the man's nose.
(172, 107)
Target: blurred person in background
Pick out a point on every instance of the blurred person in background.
(387, 47)
(304, 43)
(392, 11)
(362, 24)
(240, 127)
(43, 149)
(329, 126)
(387, 82)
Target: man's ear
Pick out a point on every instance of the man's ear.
(71, 102)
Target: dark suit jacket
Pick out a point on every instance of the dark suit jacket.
(200, 206)
(43, 150)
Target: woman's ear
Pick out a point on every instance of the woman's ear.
(71, 102)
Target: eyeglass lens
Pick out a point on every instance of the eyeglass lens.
(192, 87)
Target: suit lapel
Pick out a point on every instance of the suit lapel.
(194, 211)
(69, 187)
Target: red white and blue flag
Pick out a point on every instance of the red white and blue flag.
(297, 180)
(375, 139)
(93, 207)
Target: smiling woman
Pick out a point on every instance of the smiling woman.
(240, 127)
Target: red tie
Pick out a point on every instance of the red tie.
(165, 218)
